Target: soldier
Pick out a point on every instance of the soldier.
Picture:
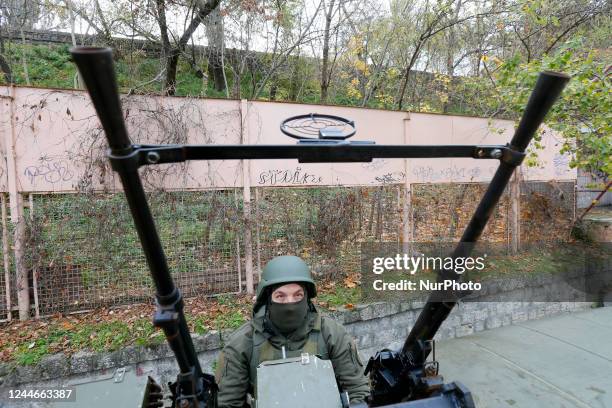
(285, 323)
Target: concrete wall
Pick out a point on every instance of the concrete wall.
(56, 143)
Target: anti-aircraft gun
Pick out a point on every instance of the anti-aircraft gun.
(402, 378)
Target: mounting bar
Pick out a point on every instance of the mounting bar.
(140, 155)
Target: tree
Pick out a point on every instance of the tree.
(541, 25)
(429, 21)
(291, 41)
(325, 69)
(582, 114)
(216, 45)
(171, 51)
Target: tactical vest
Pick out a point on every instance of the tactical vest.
(263, 350)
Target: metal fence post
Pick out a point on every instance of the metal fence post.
(515, 211)
(5, 259)
(407, 225)
(16, 211)
(34, 269)
(246, 195)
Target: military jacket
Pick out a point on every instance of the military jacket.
(252, 343)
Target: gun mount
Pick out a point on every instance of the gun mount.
(401, 378)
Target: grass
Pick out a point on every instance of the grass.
(49, 65)
(104, 330)
(340, 296)
(103, 336)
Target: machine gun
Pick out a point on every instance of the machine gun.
(401, 378)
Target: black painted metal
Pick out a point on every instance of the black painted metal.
(546, 91)
(294, 131)
(96, 68)
(405, 368)
(305, 152)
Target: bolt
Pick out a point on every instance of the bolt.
(481, 153)
(152, 157)
(184, 403)
(496, 153)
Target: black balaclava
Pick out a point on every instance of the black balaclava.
(287, 317)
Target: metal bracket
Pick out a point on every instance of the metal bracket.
(119, 374)
(140, 155)
(168, 311)
(512, 156)
(506, 154)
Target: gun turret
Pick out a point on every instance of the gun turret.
(401, 378)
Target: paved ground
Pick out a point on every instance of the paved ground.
(563, 361)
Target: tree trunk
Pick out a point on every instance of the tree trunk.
(6, 70)
(215, 70)
(214, 33)
(171, 54)
(273, 87)
(171, 65)
(295, 80)
(4, 65)
(236, 86)
(402, 92)
(325, 76)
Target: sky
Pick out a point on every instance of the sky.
(261, 40)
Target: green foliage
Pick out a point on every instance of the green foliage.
(231, 320)
(101, 336)
(584, 112)
(231, 316)
(96, 234)
(49, 65)
(340, 296)
(31, 353)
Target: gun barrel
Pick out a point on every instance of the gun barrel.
(546, 91)
(96, 68)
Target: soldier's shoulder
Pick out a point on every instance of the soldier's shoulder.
(242, 335)
(332, 326)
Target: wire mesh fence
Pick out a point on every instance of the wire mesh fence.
(84, 251)
(441, 212)
(325, 225)
(548, 210)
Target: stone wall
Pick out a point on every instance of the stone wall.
(374, 326)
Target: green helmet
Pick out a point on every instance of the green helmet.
(284, 269)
